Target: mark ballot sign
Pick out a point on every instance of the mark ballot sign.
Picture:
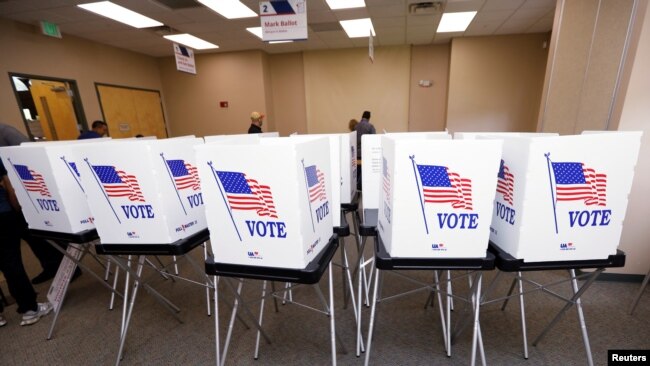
(268, 203)
(437, 196)
(143, 191)
(283, 20)
(563, 198)
(46, 181)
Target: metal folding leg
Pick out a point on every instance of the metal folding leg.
(638, 294)
(575, 299)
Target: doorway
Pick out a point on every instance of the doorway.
(51, 109)
(130, 112)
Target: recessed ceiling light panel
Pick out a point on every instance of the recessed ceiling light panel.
(191, 41)
(455, 22)
(231, 9)
(357, 28)
(121, 14)
(345, 4)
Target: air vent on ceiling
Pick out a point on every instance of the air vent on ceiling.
(177, 4)
(163, 30)
(425, 8)
(325, 27)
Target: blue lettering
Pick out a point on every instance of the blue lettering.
(281, 230)
(596, 217)
(505, 213)
(138, 211)
(195, 200)
(452, 220)
(387, 211)
(322, 211)
(48, 205)
(270, 228)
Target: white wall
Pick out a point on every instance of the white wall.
(635, 116)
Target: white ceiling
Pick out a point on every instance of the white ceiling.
(393, 22)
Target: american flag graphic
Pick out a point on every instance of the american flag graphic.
(353, 157)
(506, 183)
(386, 179)
(244, 193)
(315, 183)
(439, 185)
(575, 182)
(32, 180)
(185, 175)
(118, 183)
(74, 168)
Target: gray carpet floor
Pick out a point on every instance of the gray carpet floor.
(407, 332)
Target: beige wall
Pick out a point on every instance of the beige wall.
(635, 116)
(341, 84)
(588, 41)
(495, 82)
(288, 86)
(428, 105)
(27, 51)
(192, 101)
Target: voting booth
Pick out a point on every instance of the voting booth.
(267, 203)
(436, 196)
(563, 198)
(343, 164)
(142, 191)
(372, 162)
(46, 179)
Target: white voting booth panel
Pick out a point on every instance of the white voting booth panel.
(563, 198)
(240, 138)
(143, 191)
(479, 135)
(437, 196)
(343, 147)
(335, 166)
(267, 204)
(47, 184)
(371, 156)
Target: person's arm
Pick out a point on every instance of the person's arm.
(11, 194)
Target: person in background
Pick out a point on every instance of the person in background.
(352, 124)
(10, 136)
(99, 129)
(257, 119)
(11, 263)
(363, 127)
(47, 256)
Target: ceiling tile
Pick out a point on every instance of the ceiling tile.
(502, 4)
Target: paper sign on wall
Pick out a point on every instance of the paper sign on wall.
(283, 20)
(184, 59)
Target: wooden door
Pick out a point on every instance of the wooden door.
(55, 109)
(130, 112)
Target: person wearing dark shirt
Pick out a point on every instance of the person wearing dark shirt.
(257, 119)
(47, 256)
(363, 127)
(11, 261)
(99, 129)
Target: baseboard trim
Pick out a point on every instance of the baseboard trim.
(617, 277)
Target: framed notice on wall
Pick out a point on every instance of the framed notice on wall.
(283, 20)
(184, 59)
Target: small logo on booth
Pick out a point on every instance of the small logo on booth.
(567, 246)
(186, 226)
(48, 223)
(255, 254)
(439, 247)
(89, 220)
(132, 235)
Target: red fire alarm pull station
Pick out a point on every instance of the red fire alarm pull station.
(223, 104)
